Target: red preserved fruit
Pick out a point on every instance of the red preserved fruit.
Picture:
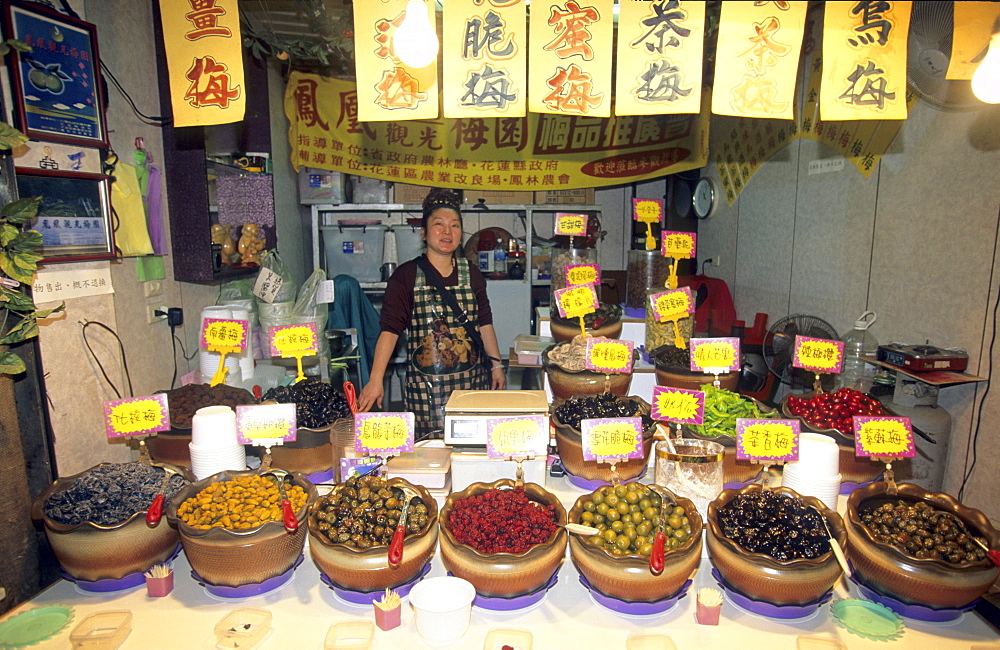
(501, 521)
(834, 410)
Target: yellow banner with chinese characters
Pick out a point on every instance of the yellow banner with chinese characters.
(659, 61)
(388, 89)
(757, 58)
(973, 27)
(571, 56)
(536, 152)
(204, 61)
(487, 66)
(864, 61)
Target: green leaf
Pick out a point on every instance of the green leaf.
(11, 364)
(45, 313)
(7, 233)
(9, 266)
(15, 300)
(11, 137)
(23, 210)
(18, 45)
(24, 330)
(26, 242)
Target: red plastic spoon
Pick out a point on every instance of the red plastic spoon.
(287, 514)
(155, 511)
(398, 537)
(352, 397)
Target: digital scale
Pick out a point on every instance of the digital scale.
(466, 412)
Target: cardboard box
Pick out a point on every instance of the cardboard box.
(583, 196)
(497, 197)
(410, 194)
(321, 186)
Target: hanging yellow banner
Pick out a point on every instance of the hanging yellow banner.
(388, 89)
(204, 61)
(659, 61)
(536, 152)
(757, 58)
(973, 27)
(487, 66)
(864, 61)
(571, 54)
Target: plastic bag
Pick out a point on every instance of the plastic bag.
(307, 310)
(289, 288)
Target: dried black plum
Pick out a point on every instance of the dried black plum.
(317, 403)
(775, 524)
(606, 405)
(110, 493)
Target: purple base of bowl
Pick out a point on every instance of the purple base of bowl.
(321, 476)
(115, 584)
(634, 312)
(847, 487)
(767, 609)
(369, 597)
(639, 608)
(739, 485)
(245, 591)
(504, 604)
(593, 484)
(916, 612)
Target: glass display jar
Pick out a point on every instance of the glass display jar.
(659, 334)
(563, 257)
(646, 270)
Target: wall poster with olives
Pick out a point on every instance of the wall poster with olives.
(57, 85)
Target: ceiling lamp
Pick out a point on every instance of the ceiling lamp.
(416, 41)
(986, 78)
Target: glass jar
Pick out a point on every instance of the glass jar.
(692, 469)
(563, 257)
(646, 270)
(657, 333)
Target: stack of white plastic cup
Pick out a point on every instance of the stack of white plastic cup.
(213, 445)
(817, 471)
(245, 358)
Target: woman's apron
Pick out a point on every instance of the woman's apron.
(441, 358)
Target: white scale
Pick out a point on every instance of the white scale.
(466, 412)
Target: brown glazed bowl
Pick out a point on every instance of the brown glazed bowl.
(918, 581)
(172, 446)
(233, 558)
(309, 453)
(504, 575)
(566, 383)
(763, 578)
(569, 442)
(369, 570)
(628, 577)
(92, 552)
(564, 329)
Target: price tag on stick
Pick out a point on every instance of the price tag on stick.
(611, 440)
(819, 355)
(715, 356)
(225, 336)
(678, 405)
(383, 434)
(609, 355)
(883, 437)
(678, 246)
(266, 425)
(135, 416)
(583, 274)
(577, 302)
(648, 211)
(673, 305)
(767, 441)
(570, 224)
(517, 437)
(294, 342)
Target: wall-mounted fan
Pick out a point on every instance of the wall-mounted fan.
(928, 54)
(777, 349)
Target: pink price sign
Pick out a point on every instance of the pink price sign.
(883, 437)
(583, 274)
(517, 437)
(570, 224)
(293, 340)
(678, 245)
(611, 439)
(224, 333)
(135, 416)
(258, 424)
(647, 211)
(767, 440)
(678, 405)
(818, 355)
(383, 433)
(577, 300)
(717, 354)
(609, 355)
(672, 304)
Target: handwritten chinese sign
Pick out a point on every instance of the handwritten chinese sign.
(883, 437)
(572, 225)
(678, 405)
(659, 59)
(576, 301)
(722, 354)
(383, 433)
(672, 304)
(757, 58)
(226, 333)
(136, 415)
(767, 440)
(257, 424)
(485, 63)
(517, 436)
(583, 274)
(293, 340)
(678, 245)
(609, 355)
(612, 439)
(864, 61)
(205, 61)
(647, 210)
(818, 355)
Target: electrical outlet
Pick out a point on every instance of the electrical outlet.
(716, 260)
(152, 288)
(152, 316)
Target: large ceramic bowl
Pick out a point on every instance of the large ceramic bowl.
(369, 570)
(917, 581)
(606, 323)
(234, 558)
(569, 442)
(310, 453)
(172, 446)
(761, 577)
(628, 577)
(566, 383)
(92, 552)
(504, 575)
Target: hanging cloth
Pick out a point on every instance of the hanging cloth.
(131, 236)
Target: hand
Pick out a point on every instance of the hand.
(371, 395)
(499, 378)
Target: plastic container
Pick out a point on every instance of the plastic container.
(442, 607)
(646, 270)
(103, 630)
(856, 373)
(409, 244)
(355, 251)
(427, 466)
(659, 334)
(508, 637)
(243, 628)
(350, 635)
(529, 348)
(563, 257)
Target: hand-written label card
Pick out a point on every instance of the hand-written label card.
(818, 355)
(722, 354)
(612, 439)
(293, 340)
(672, 304)
(517, 437)
(260, 423)
(573, 225)
(268, 285)
(224, 333)
(767, 440)
(883, 437)
(583, 274)
(136, 415)
(678, 245)
(647, 210)
(609, 355)
(383, 433)
(678, 405)
(576, 301)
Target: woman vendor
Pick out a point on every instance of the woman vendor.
(442, 355)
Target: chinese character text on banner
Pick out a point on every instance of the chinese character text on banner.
(204, 61)
(660, 48)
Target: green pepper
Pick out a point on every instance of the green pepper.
(722, 408)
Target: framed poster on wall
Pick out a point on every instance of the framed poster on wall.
(74, 216)
(56, 86)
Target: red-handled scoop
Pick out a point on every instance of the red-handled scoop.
(656, 556)
(155, 511)
(287, 514)
(396, 545)
(990, 553)
(352, 397)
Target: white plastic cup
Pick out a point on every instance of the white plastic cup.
(214, 427)
(442, 607)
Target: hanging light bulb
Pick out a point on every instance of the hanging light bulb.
(416, 41)
(986, 78)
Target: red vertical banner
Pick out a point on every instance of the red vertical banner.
(571, 52)
(486, 63)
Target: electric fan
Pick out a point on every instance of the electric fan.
(777, 349)
(928, 52)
